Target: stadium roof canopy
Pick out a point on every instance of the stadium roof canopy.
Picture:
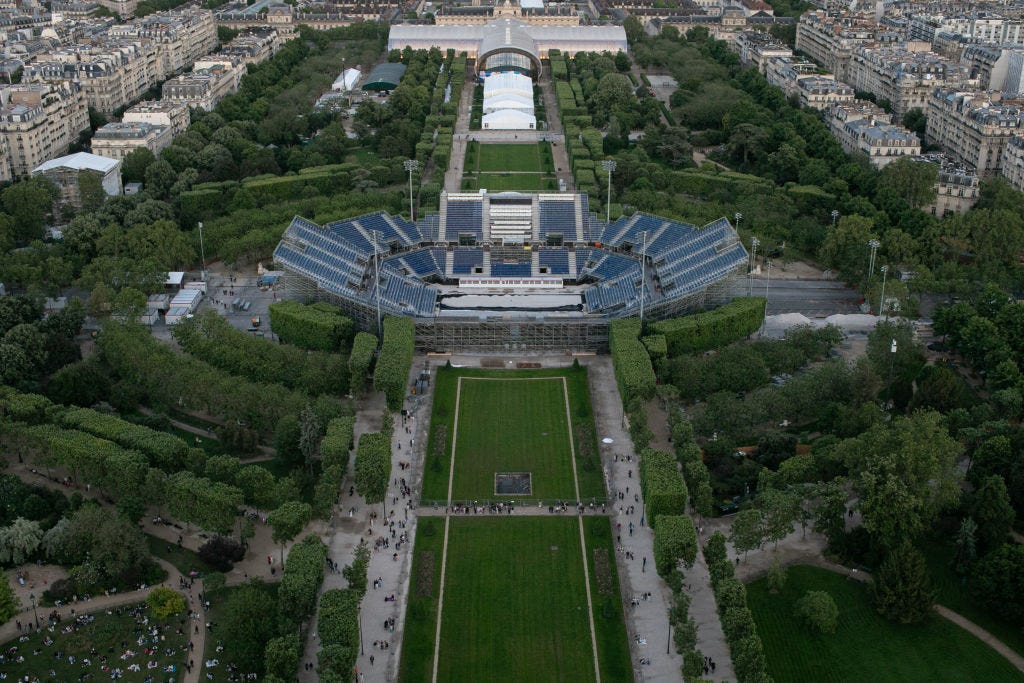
(385, 76)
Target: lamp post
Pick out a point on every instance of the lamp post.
(376, 280)
(669, 643)
(835, 217)
(32, 597)
(410, 166)
(202, 251)
(643, 277)
(359, 617)
(754, 243)
(881, 303)
(768, 264)
(609, 166)
(874, 244)
(738, 216)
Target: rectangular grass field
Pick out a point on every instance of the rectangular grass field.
(865, 647)
(515, 606)
(508, 427)
(509, 157)
(512, 425)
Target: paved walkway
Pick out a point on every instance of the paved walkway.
(999, 646)
(647, 622)
(555, 133)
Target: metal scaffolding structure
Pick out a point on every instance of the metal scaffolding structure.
(507, 332)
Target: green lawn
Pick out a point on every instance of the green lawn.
(865, 647)
(421, 616)
(105, 633)
(609, 621)
(502, 431)
(515, 603)
(954, 594)
(508, 157)
(513, 425)
(521, 182)
(182, 559)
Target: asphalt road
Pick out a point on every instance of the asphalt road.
(813, 298)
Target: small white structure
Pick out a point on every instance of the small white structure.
(508, 83)
(347, 80)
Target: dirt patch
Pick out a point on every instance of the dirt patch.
(657, 422)
(492, 362)
(524, 365)
(603, 571)
(425, 574)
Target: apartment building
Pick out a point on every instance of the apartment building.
(118, 140)
(111, 75)
(66, 173)
(122, 8)
(1013, 162)
(821, 92)
(987, 28)
(956, 186)
(208, 83)
(180, 37)
(784, 72)
(830, 41)
(172, 115)
(973, 128)
(903, 77)
(253, 46)
(756, 48)
(862, 126)
(40, 121)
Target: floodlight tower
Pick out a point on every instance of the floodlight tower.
(410, 166)
(874, 244)
(609, 166)
(643, 276)
(376, 279)
(754, 244)
(881, 304)
(835, 217)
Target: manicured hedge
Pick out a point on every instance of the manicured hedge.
(303, 574)
(165, 451)
(319, 327)
(675, 538)
(211, 338)
(633, 370)
(373, 466)
(656, 345)
(737, 622)
(337, 442)
(338, 621)
(714, 329)
(395, 360)
(662, 485)
(359, 361)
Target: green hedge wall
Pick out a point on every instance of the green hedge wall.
(662, 485)
(164, 451)
(320, 326)
(714, 329)
(364, 345)
(303, 574)
(675, 538)
(395, 360)
(633, 370)
(373, 466)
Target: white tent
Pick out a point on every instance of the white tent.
(509, 119)
(508, 83)
(508, 102)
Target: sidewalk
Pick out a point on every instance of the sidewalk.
(648, 621)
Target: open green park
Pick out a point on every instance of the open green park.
(865, 647)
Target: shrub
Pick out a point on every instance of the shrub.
(714, 329)
(363, 347)
(818, 611)
(395, 360)
(221, 553)
(633, 370)
(662, 485)
(675, 539)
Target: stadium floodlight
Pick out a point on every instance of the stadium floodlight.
(754, 243)
(609, 166)
(835, 217)
(768, 281)
(738, 216)
(881, 303)
(202, 250)
(874, 244)
(410, 166)
(376, 277)
(643, 275)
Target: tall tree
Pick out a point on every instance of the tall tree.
(19, 540)
(966, 552)
(902, 587)
(747, 531)
(310, 435)
(288, 521)
(998, 581)
(990, 507)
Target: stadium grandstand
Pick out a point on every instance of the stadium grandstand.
(507, 270)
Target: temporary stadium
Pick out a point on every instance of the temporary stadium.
(507, 271)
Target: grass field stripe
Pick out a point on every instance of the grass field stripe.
(583, 539)
(447, 520)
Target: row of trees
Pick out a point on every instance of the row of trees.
(391, 374)
(211, 338)
(315, 327)
(373, 463)
(338, 621)
(714, 329)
